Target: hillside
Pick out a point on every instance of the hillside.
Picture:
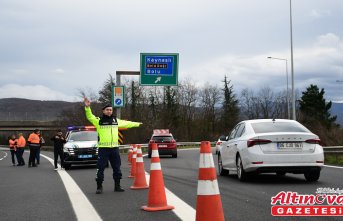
(12, 109)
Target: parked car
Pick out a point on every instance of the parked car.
(219, 142)
(271, 146)
(81, 146)
(165, 141)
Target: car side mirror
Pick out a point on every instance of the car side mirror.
(222, 138)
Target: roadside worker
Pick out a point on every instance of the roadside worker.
(59, 140)
(34, 145)
(107, 128)
(13, 147)
(20, 149)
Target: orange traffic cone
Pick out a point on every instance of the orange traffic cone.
(129, 156)
(209, 204)
(140, 179)
(133, 162)
(157, 199)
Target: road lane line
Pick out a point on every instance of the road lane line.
(334, 167)
(83, 209)
(182, 209)
(4, 156)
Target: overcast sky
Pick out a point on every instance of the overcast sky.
(49, 49)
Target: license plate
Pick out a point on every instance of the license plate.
(163, 146)
(286, 146)
(85, 156)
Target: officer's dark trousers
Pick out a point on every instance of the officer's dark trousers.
(58, 152)
(19, 154)
(12, 155)
(33, 152)
(38, 155)
(105, 155)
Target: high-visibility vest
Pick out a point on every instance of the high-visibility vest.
(108, 134)
(21, 142)
(12, 144)
(34, 139)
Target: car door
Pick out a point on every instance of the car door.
(225, 148)
(232, 146)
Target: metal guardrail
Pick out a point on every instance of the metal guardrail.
(333, 149)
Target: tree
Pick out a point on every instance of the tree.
(314, 108)
(106, 91)
(230, 110)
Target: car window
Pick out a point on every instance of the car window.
(267, 127)
(240, 131)
(162, 138)
(83, 136)
(232, 134)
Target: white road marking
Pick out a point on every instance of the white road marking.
(182, 209)
(4, 156)
(334, 167)
(83, 209)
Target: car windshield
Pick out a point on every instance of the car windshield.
(84, 136)
(162, 138)
(270, 127)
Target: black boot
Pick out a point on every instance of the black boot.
(98, 188)
(117, 187)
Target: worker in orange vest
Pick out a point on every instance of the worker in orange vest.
(34, 145)
(13, 147)
(21, 143)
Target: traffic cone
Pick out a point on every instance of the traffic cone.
(129, 156)
(157, 199)
(140, 179)
(133, 162)
(209, 204)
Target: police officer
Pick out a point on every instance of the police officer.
(59, 140)
(108, 150)
(20, 150)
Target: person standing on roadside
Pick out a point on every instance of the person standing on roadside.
(59, 141)
(20, 149)
(13, 147)
(41, 142)
(108, 150)
(34, 145)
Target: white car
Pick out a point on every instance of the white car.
(219, 142)
(271, 146)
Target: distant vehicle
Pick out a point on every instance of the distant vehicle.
(166, 144)
(81, 146)
(271, 146)
(219, 142)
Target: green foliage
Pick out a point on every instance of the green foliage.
(314, 107)
(230, 110)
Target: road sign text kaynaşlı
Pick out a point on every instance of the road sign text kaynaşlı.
(159, 69)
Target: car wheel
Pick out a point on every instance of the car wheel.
(312, 176)
(67, 166)
(241, 174)
(222, 171)
(280, 173)
(174, 155)
(149, 155)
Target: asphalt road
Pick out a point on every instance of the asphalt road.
(39, 193)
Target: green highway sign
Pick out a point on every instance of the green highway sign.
(118, 99)
(159, 69)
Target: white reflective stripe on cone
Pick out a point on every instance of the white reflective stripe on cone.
(139, 151)
(134, 156)
(206, 160)
(139, 160)
(208, 187)
(154, 153)
(155, 166)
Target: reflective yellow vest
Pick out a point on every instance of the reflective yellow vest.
(108, 134)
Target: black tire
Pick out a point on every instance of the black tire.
(312, 176)
(149, 155)
(280, 173)
(174, 155)
(221, 170)
(241, 174)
